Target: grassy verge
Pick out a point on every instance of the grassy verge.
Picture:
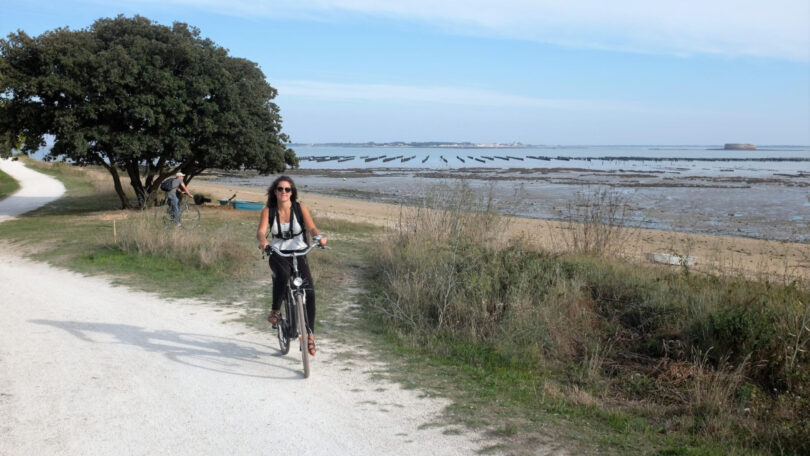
(620, 358)
(7, 185)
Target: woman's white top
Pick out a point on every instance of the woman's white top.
(296, 243)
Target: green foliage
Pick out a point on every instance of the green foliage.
(7, 185)
(130, 94)
(9, 141)
(736, 332)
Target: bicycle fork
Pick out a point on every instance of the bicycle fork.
(294, 311)
(300, 291)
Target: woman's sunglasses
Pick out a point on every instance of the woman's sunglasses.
(284, 189)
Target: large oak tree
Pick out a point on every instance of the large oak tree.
(141, 99)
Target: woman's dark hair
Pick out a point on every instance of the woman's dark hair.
(271, 192)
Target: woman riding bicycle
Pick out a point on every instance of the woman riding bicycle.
(287, 220)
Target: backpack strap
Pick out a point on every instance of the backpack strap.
(299, 215)
(272, 216)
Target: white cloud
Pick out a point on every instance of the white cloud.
(432, 95)
(775, 29)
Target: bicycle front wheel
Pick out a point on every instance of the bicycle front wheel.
(190, 216)
(302, 331)
(284, 326)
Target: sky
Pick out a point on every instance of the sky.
(552, 72)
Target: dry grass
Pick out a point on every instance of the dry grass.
(794, 328)
(201, 248)
(448, 211)
(712, 389)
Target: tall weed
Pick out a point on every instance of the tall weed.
(596, 221)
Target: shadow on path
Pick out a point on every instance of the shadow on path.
(218, 354)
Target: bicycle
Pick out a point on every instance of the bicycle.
(292, 319)
(189, 214)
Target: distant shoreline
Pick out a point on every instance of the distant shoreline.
(424, 145)
(519, 145)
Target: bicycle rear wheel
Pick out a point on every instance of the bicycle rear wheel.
(283, 327)
(189, 216)
(302, 331)
(163, 216)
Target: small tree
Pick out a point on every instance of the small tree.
(142, 100)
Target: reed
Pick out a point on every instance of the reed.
(596, 221)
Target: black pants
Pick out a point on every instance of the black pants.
(282, 269)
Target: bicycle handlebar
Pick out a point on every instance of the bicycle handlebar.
(298, 253)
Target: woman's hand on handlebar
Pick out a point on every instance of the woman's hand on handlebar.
(263, 244)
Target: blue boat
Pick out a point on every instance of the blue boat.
(247, 205)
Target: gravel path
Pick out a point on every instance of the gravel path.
(87, 368)
(36, 189)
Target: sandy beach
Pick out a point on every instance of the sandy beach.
(756, 258)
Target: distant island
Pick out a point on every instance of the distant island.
(425, 144)
(735, 146)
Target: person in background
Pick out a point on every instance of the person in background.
(177, 185)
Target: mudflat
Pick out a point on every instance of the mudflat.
(768, 203)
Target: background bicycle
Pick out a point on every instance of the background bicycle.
(189, 214)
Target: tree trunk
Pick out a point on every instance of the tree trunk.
(117, 183)
(134, 172)
(153, 189)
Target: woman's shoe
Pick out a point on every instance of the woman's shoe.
(311, 345)
(273, 317)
